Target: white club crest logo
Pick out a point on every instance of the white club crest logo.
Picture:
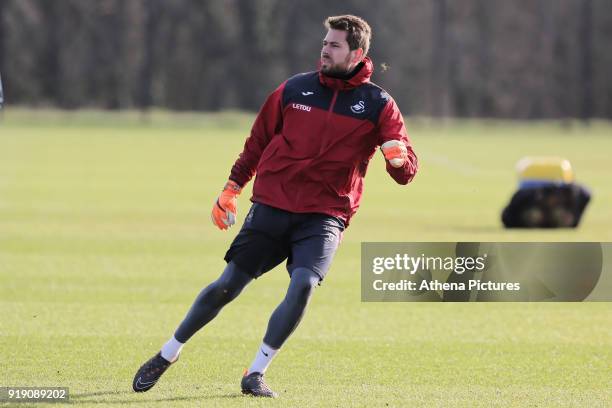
(359, 107)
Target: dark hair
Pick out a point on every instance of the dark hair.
(358, 31)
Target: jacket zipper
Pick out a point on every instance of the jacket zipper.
(331, 106)
(330, 111)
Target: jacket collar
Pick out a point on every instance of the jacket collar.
(362, 75)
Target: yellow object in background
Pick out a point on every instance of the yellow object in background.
(554, 169)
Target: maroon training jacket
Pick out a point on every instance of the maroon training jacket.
(313, 139)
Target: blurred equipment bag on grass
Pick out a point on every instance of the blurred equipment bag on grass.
(547, 196)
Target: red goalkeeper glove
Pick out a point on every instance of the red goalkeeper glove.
(225, 210)
(395, 152)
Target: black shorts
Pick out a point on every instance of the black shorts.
(271, 235)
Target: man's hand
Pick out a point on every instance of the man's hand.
(395, 152)
(225, 210)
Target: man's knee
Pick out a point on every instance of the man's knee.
(227, 287)
(219, 293)
(303, 283)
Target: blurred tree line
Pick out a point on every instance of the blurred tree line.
(468, 58)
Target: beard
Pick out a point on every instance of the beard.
(335, 70)
(339, 69)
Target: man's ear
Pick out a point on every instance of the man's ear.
(357, 55)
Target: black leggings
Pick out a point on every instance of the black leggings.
(283, 321)
(289, 313)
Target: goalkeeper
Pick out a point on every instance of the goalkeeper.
(310, 147)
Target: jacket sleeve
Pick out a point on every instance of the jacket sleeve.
(269, 122)
(391, 127)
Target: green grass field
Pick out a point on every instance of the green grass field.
(105, 240)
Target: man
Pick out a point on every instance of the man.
(310, 146)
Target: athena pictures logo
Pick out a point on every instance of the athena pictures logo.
(486, 271)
